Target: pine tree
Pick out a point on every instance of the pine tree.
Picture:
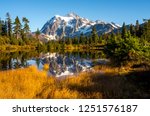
(3, 28)
(75, 40)
(9, 25)
(64, 40)
(37, 33)
(69, 41)
(141, 30)
(26, 28)
(90, 40)
(0, 27)
(137, 26)
(132, 30)
(94, 35)
(81, 39)
(86, 40)
(100, 39)
(124, 31)
(146, 32)
(17, 27)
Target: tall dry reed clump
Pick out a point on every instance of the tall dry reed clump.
(21, 83)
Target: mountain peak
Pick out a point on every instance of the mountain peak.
(72, 14)
(57, 16)
(100, 22)
(72, 25)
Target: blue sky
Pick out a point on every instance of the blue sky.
(39, 11)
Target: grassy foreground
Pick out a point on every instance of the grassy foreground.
(104, 82)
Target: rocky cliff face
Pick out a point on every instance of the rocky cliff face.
(73, 25)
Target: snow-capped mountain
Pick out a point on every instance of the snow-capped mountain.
(72, 25)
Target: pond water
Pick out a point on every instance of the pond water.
(60, 64)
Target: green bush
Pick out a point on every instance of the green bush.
(120, 50)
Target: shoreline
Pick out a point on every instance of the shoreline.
(15, 48)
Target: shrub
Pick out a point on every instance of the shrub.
(120, 50)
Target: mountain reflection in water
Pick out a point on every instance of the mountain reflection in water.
(62, 65)
(59, 64)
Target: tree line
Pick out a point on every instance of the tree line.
(132, 43)
(15, 32)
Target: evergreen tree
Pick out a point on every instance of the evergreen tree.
(63, 40)
(17, 27)
(124, 31)
(82, 39)
(69, 41)
(66, 40)
(26, 28)
(9, 25)
(137, 26)
(132, 30)
(3, 28)
(141, 30)
(112, 36)
(86, 40)
(22, 34)
(0, 27)
(100, 39)
(90, 40)
(75, 40)
(146, 32)
(94, 35)
(37, 33)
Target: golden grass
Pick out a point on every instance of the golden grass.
(71, 87)
(31, 83)
(103, 82)
(46, 67)
(14, 48)
(21, 83)
(105, 69)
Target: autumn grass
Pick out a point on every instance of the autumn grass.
(102, 82)
(21, 83)
(46, 67)
(32, 83)
(14, 48)
(71, 87)
(83, 47)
